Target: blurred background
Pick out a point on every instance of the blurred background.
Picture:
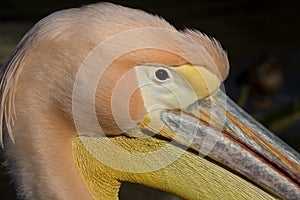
(260, 36)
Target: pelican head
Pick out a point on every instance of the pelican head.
(103, 94)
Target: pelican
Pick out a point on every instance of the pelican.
(104, 94)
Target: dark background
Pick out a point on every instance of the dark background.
(248, 30)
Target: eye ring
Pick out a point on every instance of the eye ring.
(161, 75)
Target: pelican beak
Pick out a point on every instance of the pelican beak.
(216, 128)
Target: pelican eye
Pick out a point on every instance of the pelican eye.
(161, 75)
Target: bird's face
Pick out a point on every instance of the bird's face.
(184, 104)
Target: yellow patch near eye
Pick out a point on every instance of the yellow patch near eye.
(203, 82)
